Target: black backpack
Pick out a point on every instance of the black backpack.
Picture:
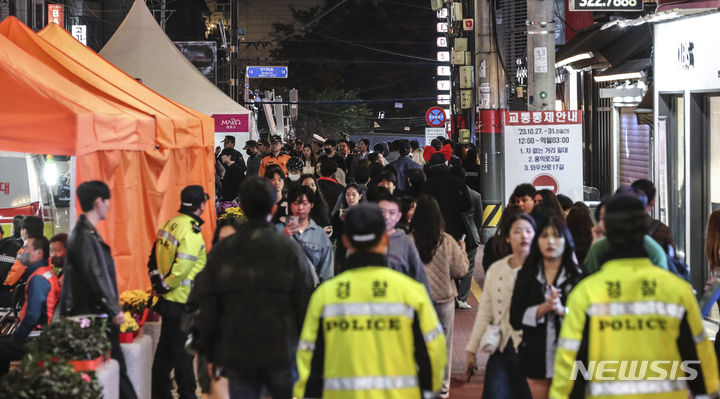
(675, 265)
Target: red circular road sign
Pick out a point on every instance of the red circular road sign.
(435, 116)
(545, 182)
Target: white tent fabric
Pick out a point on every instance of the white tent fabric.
(142, 49)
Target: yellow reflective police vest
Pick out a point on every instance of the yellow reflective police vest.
(370, 332)
(633, 330)
(181, 255)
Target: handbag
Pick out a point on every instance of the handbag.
(491, 339)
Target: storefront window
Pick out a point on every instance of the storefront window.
(676, 172)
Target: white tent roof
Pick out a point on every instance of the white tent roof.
(142, 49)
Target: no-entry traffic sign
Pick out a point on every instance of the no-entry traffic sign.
(544, 181)
(435, 116)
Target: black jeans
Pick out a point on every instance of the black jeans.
(171, 355)
(249, 384)
(10, 349)
(463, 285)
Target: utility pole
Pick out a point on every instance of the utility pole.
(541, 55)
(491, 100)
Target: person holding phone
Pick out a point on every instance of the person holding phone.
(312, 238)
(543, 284)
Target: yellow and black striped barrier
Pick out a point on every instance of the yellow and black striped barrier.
(492, 211)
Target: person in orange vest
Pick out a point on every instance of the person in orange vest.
(41, 296)
(32, 225)
(275, 157)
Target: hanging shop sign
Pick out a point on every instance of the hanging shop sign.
(544, 148)
(606, 5)
(56, 14)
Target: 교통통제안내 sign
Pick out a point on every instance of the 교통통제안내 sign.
(544, 148)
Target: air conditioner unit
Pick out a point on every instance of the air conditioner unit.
(436, 4)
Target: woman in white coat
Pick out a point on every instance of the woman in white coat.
(503, 378)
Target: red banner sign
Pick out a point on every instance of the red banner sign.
(56, 14)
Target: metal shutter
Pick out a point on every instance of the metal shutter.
(634, 149)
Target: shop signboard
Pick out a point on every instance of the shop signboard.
(203, 55)
(232, 123)
(606, 5)
(544, 148)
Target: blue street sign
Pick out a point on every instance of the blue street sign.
(267, 72)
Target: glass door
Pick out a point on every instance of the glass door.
(672, 107)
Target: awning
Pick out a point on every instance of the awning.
(607, 45)
(631, 69)
(664, 5)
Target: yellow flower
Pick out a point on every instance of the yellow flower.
(233, 212)
(129, 325)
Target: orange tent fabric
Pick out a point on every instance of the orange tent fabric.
(145, 183)
(180, 148)
(113, 126)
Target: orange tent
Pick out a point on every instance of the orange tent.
(145, 184)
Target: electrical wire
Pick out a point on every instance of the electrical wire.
(372, 48)
(333, 8)
(408, 118)
(353, 62)
(343, 102)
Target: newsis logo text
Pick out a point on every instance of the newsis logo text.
(636, 370)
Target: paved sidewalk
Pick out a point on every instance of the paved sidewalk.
(464, 319)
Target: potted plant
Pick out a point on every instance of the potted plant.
(230, 209)
(42, 376)
(139, 304)
(129, 329)
(81, 342)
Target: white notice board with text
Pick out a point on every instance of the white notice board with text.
(544, 148)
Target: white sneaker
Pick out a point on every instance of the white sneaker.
(463, 305)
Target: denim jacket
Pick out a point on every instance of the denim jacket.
(317, 246)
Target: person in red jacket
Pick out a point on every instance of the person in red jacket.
(41, 296)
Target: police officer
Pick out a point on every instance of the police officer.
(179, 255)
(275, 157)
(641, 322)
(382, 318)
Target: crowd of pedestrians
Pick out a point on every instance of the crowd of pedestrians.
(344, 277)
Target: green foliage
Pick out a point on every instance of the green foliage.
(39, 376)
(69, 339)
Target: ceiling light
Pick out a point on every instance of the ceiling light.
(577, 57)
(619, 76)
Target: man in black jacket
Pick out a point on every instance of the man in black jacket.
(234, 174)
(450, 192)
(90, 286)
(252, 298)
